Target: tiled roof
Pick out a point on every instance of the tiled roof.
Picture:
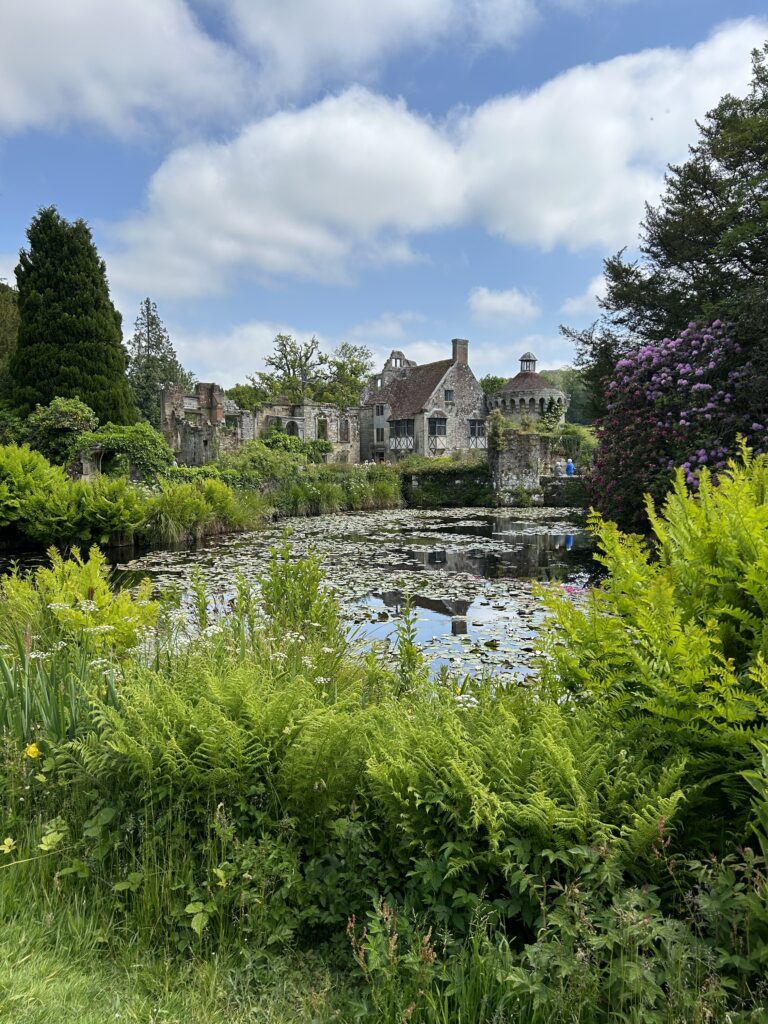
(408, 394)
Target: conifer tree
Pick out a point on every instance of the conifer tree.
(153, 362)
(69, 340)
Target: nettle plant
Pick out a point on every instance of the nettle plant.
(679, 403)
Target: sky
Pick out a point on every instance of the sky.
(393, 173)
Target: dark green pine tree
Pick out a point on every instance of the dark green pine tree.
(153, 362)
(69, 340)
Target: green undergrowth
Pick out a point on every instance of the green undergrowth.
(242, 792)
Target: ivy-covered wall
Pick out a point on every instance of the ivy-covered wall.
(449, 487)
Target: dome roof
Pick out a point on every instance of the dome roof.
(530, 382)
(528, 355)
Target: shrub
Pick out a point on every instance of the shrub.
(54, 429)
(26, 475)
(178, 512)
(139, 446)
(681, 402)
(672, 646)
(73, 601)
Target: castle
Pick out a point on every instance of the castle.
(431, 409)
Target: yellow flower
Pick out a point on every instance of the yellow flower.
(32, 751)
(8, 845)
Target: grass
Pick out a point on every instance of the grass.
(43, 979)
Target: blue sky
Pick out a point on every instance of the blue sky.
(394, 174)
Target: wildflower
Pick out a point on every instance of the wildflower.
(32, 750)
(8, 845)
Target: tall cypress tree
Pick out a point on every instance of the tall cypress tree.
(69, 341)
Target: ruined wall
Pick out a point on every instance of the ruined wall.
(201, 425)
(519, 463)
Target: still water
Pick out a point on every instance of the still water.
(469, 574)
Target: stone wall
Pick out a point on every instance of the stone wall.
(519, 464)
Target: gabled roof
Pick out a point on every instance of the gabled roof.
(407, 395)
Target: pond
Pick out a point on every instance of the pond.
(469, 574)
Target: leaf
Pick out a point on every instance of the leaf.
(199, 921)
(194, 908)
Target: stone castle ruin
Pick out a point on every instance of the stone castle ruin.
(433, 409)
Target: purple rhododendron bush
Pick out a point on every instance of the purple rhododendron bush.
(680, 402)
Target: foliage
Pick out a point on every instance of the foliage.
(491, 383)
(296, 369)
(139, 447)
(252, 785)
(69, 338)
(11, 426)
(299, 370)
(571, 381)
(72, 600)
(182, 510)
(246, 396)
(704, 253)
(9, 328)
(313, 451)
(598, 349)
(577, 442)
(680, 402)
(346, 372)
(55, 428)
(703, 250)
(153, 363)
(672, 647)
(446, 482)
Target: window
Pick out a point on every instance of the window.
(448, 395)
(379, 410)
(477, 428)
(401, 428)
(379, 435)
(378, 382)
(344, 432)
(292, 429)
(322, 430)
(437, 426)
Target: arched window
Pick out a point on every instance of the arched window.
(292, 429)
(541, 406)
(532, 404)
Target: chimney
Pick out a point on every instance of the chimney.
(460, 351)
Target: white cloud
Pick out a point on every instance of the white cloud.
(586, 303)
(302, 193)
(229, 357)
(573, 162)
(303, 43)
(355, 178)
(114, 64)
(510, 305)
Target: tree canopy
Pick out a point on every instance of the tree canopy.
(704, 248)
(153, 363)
(9, 328)
(298, 370)
(69, 337)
